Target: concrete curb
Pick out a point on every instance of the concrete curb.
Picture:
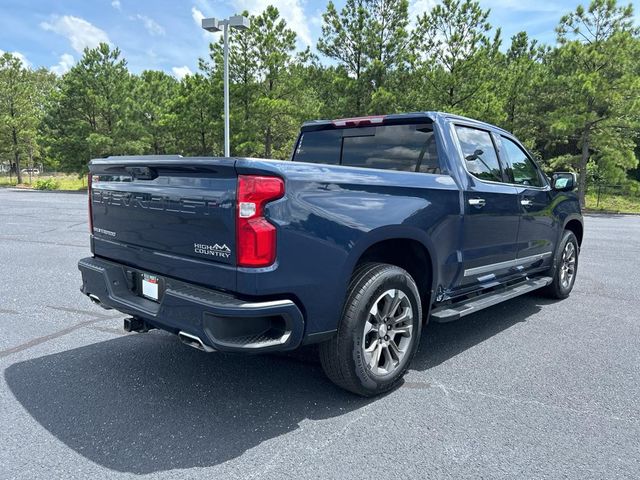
(33, 190)
(608, 212)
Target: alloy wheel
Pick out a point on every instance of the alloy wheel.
(388, 332)
(568, 265)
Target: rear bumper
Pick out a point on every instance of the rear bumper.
(223, 321)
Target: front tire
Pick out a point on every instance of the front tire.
(379, 332)
(566, 267)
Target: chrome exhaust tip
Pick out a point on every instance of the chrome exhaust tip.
(194, 341)
(95, 299)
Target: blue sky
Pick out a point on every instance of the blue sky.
(165, 35)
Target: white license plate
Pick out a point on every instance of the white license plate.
(150, 286)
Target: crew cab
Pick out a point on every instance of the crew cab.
(374, 226)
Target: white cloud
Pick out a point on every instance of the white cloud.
(197, 16)
(181, 72)
(317, 20)
(153, 27)
(418, 8)
(116, 4)
(291, 10)
(78, 31)
(64, 65)
(20, 56)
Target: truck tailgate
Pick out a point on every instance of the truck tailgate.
(171, 216)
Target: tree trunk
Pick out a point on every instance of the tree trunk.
(267, 143)
(203, 138)
(203, 143)
(358, 89)
(16, 156)
(268, 137)
(245, 94)
(582, 170)
(511, 116)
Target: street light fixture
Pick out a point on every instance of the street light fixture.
(239, 22)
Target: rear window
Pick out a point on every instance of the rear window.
(410, 148)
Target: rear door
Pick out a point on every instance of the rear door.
(491, 211)
(173, 217)
(539, 225)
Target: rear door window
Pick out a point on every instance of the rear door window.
(410, 148)
(479, 153)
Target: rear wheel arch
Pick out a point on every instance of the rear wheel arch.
(409, 252)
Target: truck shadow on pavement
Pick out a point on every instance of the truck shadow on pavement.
(146, 403)
(442, 341)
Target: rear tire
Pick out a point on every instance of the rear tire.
(565, 269)
(379, 332)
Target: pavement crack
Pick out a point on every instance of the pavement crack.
(79, 311)
(113, 331)
(446, 393)
(16, 238)
(542, 404)
(45, 338)
(417, 385)
(76, 224)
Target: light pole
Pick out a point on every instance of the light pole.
(239, 22)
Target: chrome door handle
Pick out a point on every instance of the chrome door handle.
(477, 202)
(526, 203)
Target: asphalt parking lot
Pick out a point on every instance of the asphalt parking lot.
(527, 389)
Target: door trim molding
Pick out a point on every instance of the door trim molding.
(502, 265)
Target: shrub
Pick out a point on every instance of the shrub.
(46, 184)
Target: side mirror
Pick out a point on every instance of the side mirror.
(474, 156)
(564, 181)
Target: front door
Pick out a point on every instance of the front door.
(538, 231)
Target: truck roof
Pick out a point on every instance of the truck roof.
(372, 120)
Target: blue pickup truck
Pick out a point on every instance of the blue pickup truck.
(375, 226)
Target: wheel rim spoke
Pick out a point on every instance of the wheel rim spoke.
(395, 303)
(393, 347)
(404, 316)
(375, 358)
(375, 313)
(388, 298)
(371, 347)
(389, 362)
(403, 329)
(369, 327)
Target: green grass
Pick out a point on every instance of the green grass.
(71, 182)
(613, 203)
(5, 182)
(63, 182)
